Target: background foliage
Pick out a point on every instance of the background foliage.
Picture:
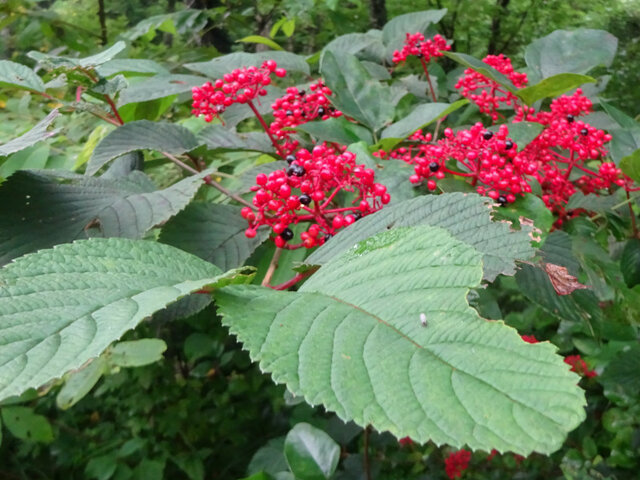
(193, 405)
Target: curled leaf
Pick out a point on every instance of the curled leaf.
(563, 282)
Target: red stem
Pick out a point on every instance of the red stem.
(266, 128)
(290, 283)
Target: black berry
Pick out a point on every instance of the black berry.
(508, 145)
(305, 199)
(301, 92)
(290, 159)
(327, 237)
(419, 55)
(357, 215)
(321, 111)
(487, 135)
(502, 200)
(288, 113)
(296, 170)
(286, 234)
(584, 132)
(570, 118)
(434, 167)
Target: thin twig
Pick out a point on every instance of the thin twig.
(272, 267)
(367, 468)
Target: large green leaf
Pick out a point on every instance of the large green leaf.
(16, 75)
(38, 133)
(420, 117)
(64, 306)
(383, 335)
(367, 46)
(39, 209)
(553, 86)
(213, 232)
(576, 51)
(217, 67)
(355, 92)
(465, 216)
(129, 66)
(139, 135)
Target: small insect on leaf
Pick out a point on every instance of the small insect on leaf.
(423, 319)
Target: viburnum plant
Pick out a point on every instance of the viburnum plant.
(362, 232)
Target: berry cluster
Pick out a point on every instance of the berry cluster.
(456, 463)
(425, 50)
(297, 107)
(488, 94)
(306, 191)
(240, 86)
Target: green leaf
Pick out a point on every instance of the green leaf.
(159, 86)
(217, 67)
(420, 117)
(553, 86)
(575, 51)
(466, 216)
(395, 30)
(269, 459)
(528, 207)
(101, 467)
(64, 306)
(214, 233)
(60, 207)
(130, 66)
(140, 135)
(16, 75)
(338, 130)
(261, 40)
(483, 69)
(218, 137)
(79, 383)
(54, 61)
(38, 133)
(310, 453)
(630, 262)
(356, 93)
(624, 371)
(630, 165)
(136, 353)
(364, 45)
(25, 424)
(353, 339)
(523, 133)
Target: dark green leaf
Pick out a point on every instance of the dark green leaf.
(395, 30)
(130, 66)
(140, 135)
(630, 262)
(311, 454)
(364, 45)
(214, 233)
(630, 165)
(576, 51)
(54, 61)
(338, 130)
(39, 209)
(624, 371)
(159, 86)
(552, 87)
(269, 459)
(218, 137)
(355, 92)
(420, 117)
